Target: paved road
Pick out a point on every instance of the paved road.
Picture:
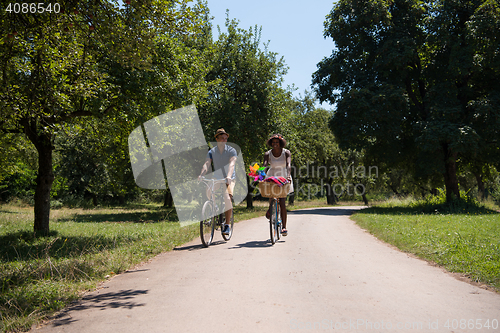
(327, 275)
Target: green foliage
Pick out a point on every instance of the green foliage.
(96, 59)
(18, 164)
(244, 89)
(416, 84)
(93, 164)
(20, 184)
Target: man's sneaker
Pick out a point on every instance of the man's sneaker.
(227, 229)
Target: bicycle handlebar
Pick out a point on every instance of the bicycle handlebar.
(214, 180)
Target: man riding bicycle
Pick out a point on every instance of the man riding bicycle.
(223, 158)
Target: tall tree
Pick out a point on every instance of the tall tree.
(415, 81)
(245, 91)
(58, 65)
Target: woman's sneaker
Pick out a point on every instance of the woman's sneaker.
(227, 229)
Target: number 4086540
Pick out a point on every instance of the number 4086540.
(471, 324)
(33, 8)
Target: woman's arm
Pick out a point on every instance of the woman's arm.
(266, 159)
(288, 157)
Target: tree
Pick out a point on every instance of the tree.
(415, 81)
(92, 162)
(62, 65)
(313, 146)
(245, 92)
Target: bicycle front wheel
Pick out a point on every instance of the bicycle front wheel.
(231, 223)
(279, 225)
(207, 224)
(273, 222)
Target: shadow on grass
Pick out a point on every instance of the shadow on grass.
(155, 216)
(25, 245)
(111, 300)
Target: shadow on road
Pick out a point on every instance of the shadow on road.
(111, 300)
(325, 211)
(252, 244)
(135, 271)
(198, 246)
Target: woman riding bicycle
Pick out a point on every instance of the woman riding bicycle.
(279, 159)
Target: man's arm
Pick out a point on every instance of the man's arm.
(232, 163)
(204, 168)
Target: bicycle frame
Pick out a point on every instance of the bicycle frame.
(211, 218)
(275, 223)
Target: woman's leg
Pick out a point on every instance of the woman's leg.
(283, 211)
(268, 213)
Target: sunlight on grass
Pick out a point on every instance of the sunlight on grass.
(466, 242)
(40, 275)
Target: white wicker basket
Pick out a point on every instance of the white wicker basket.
(272, 190)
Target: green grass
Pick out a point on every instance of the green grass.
(41, 275)
(461, 237)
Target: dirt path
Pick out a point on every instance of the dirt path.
(327, 275)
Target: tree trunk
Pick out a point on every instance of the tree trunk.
(249, 195)
(43, 144)
(291, 199)
(44, 181)
(365, 199)
(331, 198)
(168, 201)
(480, 186)
(450, 174)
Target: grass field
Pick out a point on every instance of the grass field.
(464, 239)
(41, 275)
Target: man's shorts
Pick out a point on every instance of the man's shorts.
(229, 188)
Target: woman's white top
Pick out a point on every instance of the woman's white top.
(278, 167)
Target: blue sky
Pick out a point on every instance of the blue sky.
(294, 29)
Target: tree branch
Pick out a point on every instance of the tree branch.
(11, 130)
(80, 113)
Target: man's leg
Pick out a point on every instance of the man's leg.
(227, 200)
(228, 195)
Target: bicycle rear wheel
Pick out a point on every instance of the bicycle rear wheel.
(207, 225)
(273, 222)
